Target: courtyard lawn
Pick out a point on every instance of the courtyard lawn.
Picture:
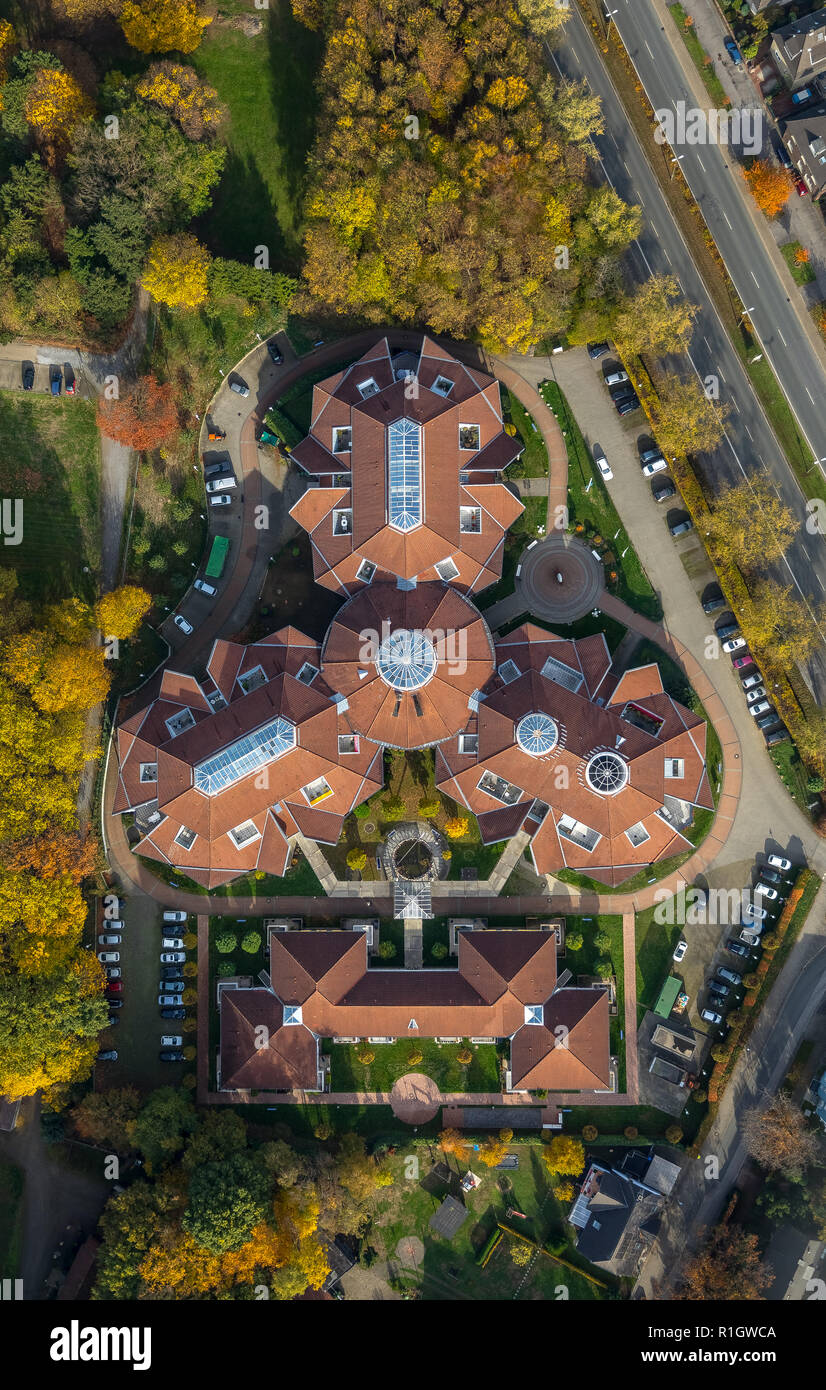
(51, 461)
(534, 460)
(584, 962)
(655, 946)
(392, 1060)
(267, 84)
(529, 525)
(450, 1269)
(611, 1121)
(11, 1218)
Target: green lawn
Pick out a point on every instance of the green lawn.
(11, 1218)
(267, 84)
(534, 460)
(392, 1060)
(594, 511)
(51, 461)
(801, 271)
(522, 532)
(655, 945)
(792, 773)
(584, 961)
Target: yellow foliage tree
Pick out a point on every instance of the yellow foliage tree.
(178, 90)
(121, 612)
(159, 26)
(313, 1262)
(685, 419)
(6, 45)
(180, 1266)
(657, 318)
(565, 1155)
(750, 526)
(492, 1151)
(55, 104)
(456, 827)
(176, 271)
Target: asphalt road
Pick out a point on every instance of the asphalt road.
(750, 447)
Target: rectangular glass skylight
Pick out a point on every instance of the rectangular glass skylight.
(470, 519)
(342, 439)
(149, 772)
(368, 388)
(179, 722)
(242, 834)
(252, 680)
(244, 756)
(562, 675)
(404, 475)
(443, 386)
(497, 787)
(185, 837)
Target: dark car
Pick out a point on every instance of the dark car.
(109, 1056)
(663, 492)
(781, 152)
(737, 948)
(28, 376)
(170, 972)
(220, 468)
(679, 528)
(767, 721)
(777, 736)
(626, 404)
(275, 352)
(725, 630)
(714, 601)
(596, 350)
(113, 1019)
(732, 50)
(171, 1054)
(769, 875)
(115, 1003)
(173, 1013)
(55, 381)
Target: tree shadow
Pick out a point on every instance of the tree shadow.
(295, 55)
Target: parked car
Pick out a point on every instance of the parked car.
(714, 601)
(626, 405)
(663, 492)
(69, 378)
(225, 484)
(28, 376)
(175, 985)
(769, 875)
(113, 1020)
(751, 681)
(726, 629)
(681, 948)
(601, 462)
(765, 890)
(655, 466)
(781, 152)
(649, 452)
(172, 1040)
(173, 957)
(679, 528)
(116, 987)
(176, 1013)
(759, 707)
(239, 386)
(752, 913)
(172, 943)
(180, 621)
(112, 972)
(114, 1003)
(802, 190)
(717, 1001)
(709, 1016)
(55, 381)
(109, 1056)
(109, 940)
(217, 466)
(734, 644)
(174, 917)
(740, 662)
(171, 1055)
(750, 936)
(756, 693)
(108, 957)
(173, 1000)
(767, 721)
(736, 947)
(596, 350)
(275, 352)
(717, 987)
(732, 50)
(222, 500)
(613, 378)
(776, 736)
(730, 976)
(804, 94)
(776, 861)
(204, 588)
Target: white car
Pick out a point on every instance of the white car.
(180, 621)
(108, 957)
(752, 913)
(172, 1001)
(602, 464)
(776, 861)
(614, 378)
(172, 943)
(172, 1040)
(221, 500)
(766, 891)
(734, 644)
(239, 386)
(174, 916)
(204, 588)
(751, 681)
(756, 693)
(109, 940)
(682, 947)
(655, 466)
(173, 957)
(711, 1017)
(759, 707)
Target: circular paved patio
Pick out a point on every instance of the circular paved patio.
(561, 579)
(410, 1251)
(415, 1098)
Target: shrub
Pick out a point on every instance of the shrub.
(429, 806)
(439, 950)
(189, 1053)
(447, 855)
(387, 950)
(573, 941)
(414, 1057)
(189, 1024)
(564, 1192)
(190, 969)
(190, 941)
(226, 942)
(464, 1056)
(673, 1134)
(356, 859)
(506, 1135)
(604, 968)
(752, 980)
(630, 1132)
(251, 942)
(225, 969)
(362, 812)
(190, 1081)
(590, 1133)
(602, 941)
(521, 1254)
(190, 995)
(365, 1056)
(456, 827)
(393, 808)
(699, 1095)
(322, 1130)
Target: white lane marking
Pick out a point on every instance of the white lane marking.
(728, 224)
(754, 278)
(701, 164)
(749, 433)
(809, 394)
(782, 339)
(650, 54)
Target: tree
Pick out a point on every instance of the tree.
(226, 1200)
(456, 827)
(106, 1117)
(770, 185)
(810, 738)
(602, 941)
(776, 1135)
(564, 1192)
(429, 806)
(604, 969)
(657, 318)
(219, 1134)
(387, 950)
(161, 1128)
(565, 1155)
(492, 1151)
(776, 624)
(357, 1173)
(54, 854)
(176, 271)
(452, 1141)
(574, 941)
(356, 859)
(121, 612)
(251, 942)
(179, 91)
(615, 222)
(393, 808)
(686, 421)
(728, 1267)
(143, 418)
(673, 1134)
(545, 17)
(159, 26)
(89, 11)
(49, 1026)
(576, 110)
(55, 104)
(750, 526)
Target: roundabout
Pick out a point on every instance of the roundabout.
(560, 579)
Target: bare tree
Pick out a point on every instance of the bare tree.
(776, 1135)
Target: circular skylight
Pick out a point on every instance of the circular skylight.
(537, 734)
(606, 773)
(406, 659)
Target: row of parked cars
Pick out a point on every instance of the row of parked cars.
(759, 705)
(111, 937)
(775, 880)
(620, 387)
(172, 984)
(57, 377)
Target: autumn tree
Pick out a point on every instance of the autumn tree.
(776, 1135)
(161, 1128)
(771, 186)
(750, 526)
(90, 11)
(55, 104)
(41, 920)
(456, 827)
(178, 90)
(657, 318)
(686, 421)
(226, 1200)
(49, 1025)
(727, 1267)
(358, 1173)
(106, 1117)
(616, 223)
(54, 854)
(565, 1155)
(176, 271)
(575, 108)
(143, 418)
(546, 18)
(121, 612)
(776, 623)
(492, 1151)
(452, 1141)
(159, 26)
(810, 737)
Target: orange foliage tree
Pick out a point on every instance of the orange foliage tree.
(143, 418)
(770, 185)
(728, 1267)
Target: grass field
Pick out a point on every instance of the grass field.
(267, 84)
(801, 271)
(534, 460)
(51, 461)
(11, 1218)
(392, 1060)
(655, 945)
